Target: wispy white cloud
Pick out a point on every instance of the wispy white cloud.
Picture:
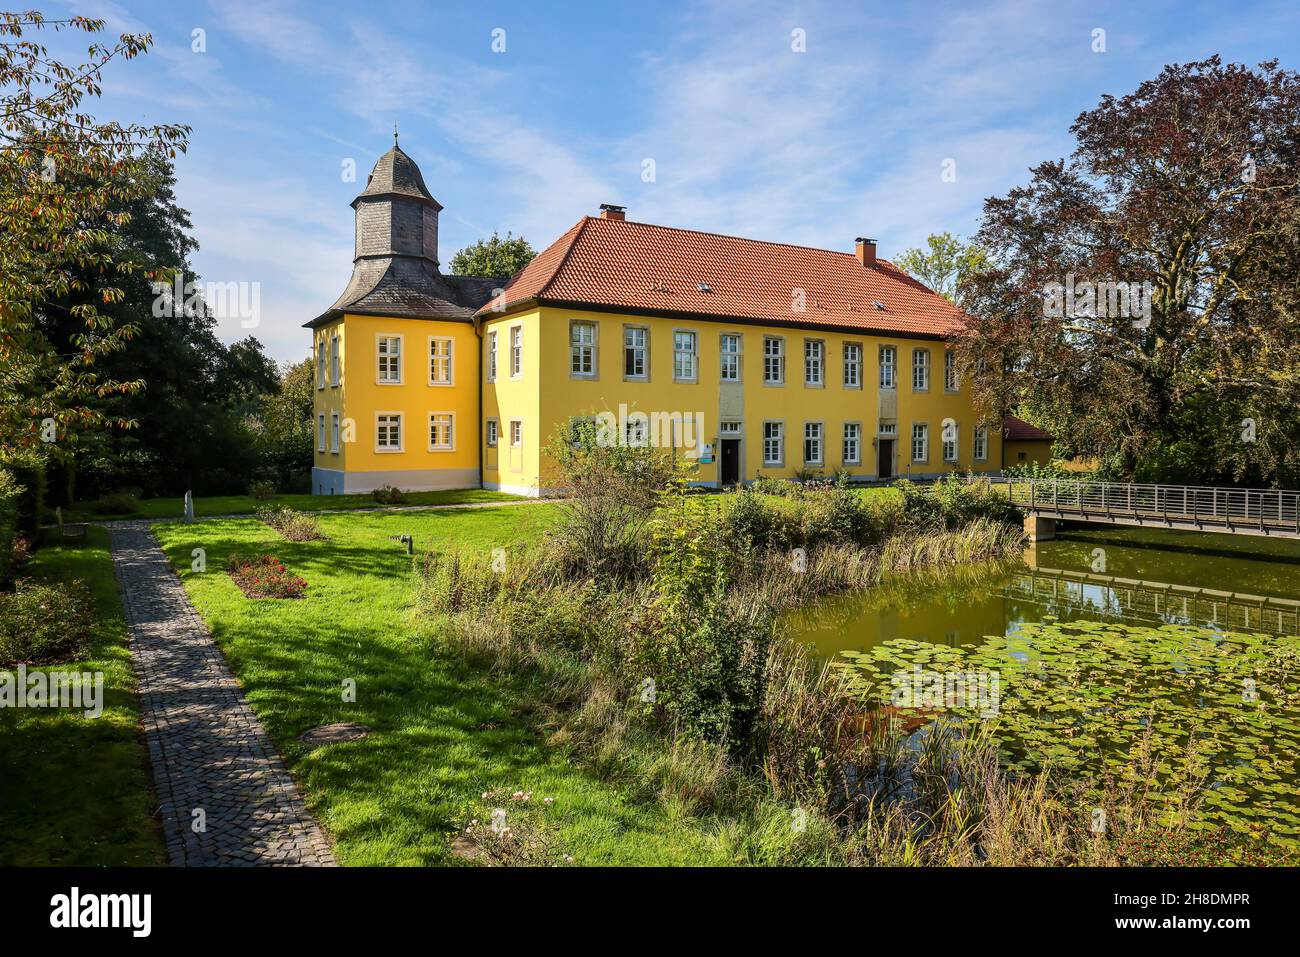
(747, 135)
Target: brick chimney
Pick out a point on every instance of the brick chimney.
(866, 251)
(610, 211)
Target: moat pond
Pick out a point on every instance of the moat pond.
(1099, 647)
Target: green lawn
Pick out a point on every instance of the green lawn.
(174, 507)
(77, 790)
(443, 734)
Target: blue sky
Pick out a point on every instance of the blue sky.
(747, 136)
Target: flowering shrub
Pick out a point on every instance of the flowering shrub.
(514, 834)
(294, 525)
(264, 576)
(42, 624)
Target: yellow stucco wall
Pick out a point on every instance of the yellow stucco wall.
(546, 395)
(1039, 451)
(507, 398)
(360, 397)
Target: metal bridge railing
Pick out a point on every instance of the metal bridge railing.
(1271, 509)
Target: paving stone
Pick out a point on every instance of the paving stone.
(207, 748)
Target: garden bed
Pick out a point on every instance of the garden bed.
(264, 576)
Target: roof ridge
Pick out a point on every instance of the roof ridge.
(743, 239)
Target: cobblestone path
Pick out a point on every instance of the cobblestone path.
(213, 763)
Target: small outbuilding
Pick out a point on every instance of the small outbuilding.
(1024, 444)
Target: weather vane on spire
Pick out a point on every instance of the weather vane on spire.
(394, 132)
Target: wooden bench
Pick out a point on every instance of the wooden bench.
(69, 530)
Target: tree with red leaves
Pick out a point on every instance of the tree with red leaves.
(1143, 297)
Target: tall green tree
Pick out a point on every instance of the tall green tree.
(287, 423)
(196, 397)
(1145, 290)
(64, 177)
(495, 257)
(944, 264)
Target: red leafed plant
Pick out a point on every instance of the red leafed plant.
(264, 576)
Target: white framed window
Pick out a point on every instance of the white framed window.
(388, 356)
(853, 365)
(812, 443)
(888, 430)
(636, 352)
(320, 432)
(814, 362)
(920, 370)
(950, 441)
(336, 368)
(685, 357)
(729, 427)
(888, 367)
(440, 360)
(950, 371)
(920, 443)
(442, 432)
(388, 431)
(320, 364)
(981, 443)
(516, 433)
(852, 450)
(773, 443)
(516, 351)
(492, 356)
(730, 349)
(334, 432)
(493, 427)
(773, 360)
(582, 349)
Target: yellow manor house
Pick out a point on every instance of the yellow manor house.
(753, 358)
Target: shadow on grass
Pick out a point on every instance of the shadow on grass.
(442, 734)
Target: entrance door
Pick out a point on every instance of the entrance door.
(729, 472)
(885, 468)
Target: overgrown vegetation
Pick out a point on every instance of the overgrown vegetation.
(649, 623)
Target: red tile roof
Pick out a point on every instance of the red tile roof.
(622, 265)
(1018, 430)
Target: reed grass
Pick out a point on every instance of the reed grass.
(826, 777)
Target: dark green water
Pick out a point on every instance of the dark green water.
(1107, 645)
(1138, 576)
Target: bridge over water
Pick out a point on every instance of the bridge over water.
(1271, 512)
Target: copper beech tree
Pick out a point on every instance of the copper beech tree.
(1143, 296)
(62, 175)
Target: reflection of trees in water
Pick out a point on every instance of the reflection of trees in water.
(953, 589)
